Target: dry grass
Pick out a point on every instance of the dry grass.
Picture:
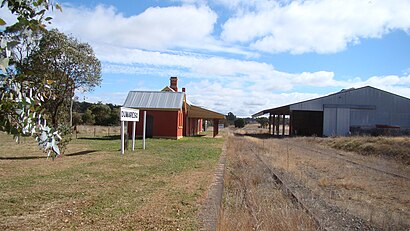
(374, 196)
(252, 200)
(93, 131)
(94, 186)
(397, 148)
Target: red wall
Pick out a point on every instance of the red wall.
(167, 124)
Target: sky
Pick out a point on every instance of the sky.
(243, 56)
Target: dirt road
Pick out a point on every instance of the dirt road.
(341, 190)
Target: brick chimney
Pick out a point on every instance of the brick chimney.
(174, 83)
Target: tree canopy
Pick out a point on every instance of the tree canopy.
(21, 100)
(65, 65)
(40, 70)
(239, 123)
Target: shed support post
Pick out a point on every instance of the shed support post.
(274, 124)
(270, 124)
(290, 124)
(216, 127)
(283, 125)
(277, 125)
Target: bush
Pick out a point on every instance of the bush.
(239, 123)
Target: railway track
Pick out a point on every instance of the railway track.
(318, 209)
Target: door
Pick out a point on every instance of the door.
(336, 121)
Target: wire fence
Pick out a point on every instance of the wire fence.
(96, 131)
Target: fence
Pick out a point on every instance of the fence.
(94, 131)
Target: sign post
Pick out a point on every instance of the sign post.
(133, 134)
(128, 114)
(122, 137)
(145, 128)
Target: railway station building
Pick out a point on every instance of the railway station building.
(169, 115)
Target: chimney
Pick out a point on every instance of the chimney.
(174, 83)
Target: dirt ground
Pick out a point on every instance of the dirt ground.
(342, 190)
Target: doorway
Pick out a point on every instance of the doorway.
(150, 126)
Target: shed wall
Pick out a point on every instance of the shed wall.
(368, 107)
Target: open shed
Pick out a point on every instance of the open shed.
(338, 113)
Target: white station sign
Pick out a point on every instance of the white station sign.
(129, 114)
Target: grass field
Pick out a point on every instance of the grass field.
(397, 148)
(93, 185)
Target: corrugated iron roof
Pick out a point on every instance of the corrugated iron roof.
(366, 102)
(154, 100)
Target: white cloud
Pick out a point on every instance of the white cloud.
(322, 26)
(396, 84)
(155, 28)
(258, 74)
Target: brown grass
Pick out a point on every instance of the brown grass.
(252, 200)
(92, 131)
(374, 196)
(397, 148)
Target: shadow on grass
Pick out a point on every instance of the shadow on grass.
(22, 157)
(114, 137)
(44, 157)
(81, 153)
(198, 136)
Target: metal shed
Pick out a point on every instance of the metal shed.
(338, 113)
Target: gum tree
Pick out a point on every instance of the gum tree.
(20, 99)
(65, 65)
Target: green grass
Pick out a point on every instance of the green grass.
(160, 187)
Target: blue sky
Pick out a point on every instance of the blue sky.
(243, 56)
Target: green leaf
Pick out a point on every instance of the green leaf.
(58, 7)
(2, 22)
(48, 18)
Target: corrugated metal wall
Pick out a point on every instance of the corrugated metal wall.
(367, 106)
(336, 121)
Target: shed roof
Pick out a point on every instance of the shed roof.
(332, 100)
(161, 100)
